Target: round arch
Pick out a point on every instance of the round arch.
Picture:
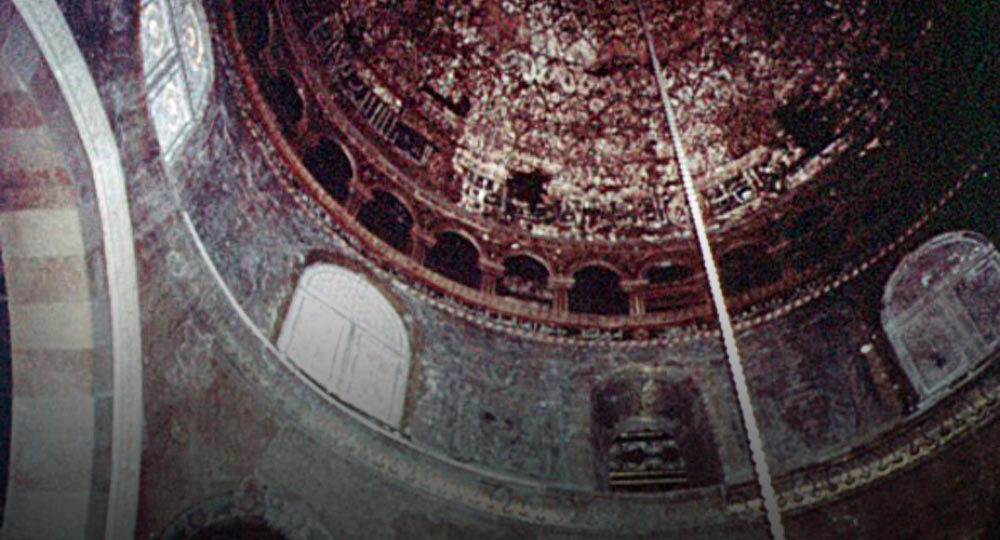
(455, 256)
(332, 167)
(388, 217)
(597, 290)
(581, 264)
(122, 424)
(526, 277)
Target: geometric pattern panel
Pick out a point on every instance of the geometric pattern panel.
(171, 111)
(178, 67)
(345, 336)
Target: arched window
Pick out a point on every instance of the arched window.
(346, 336)
(598, 290)
(525, 278)
(177, 62)
(941, 309)
(331, 167)
(387, 218)
(455, 257)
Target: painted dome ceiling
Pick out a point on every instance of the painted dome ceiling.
(564, 91)
(510, 146)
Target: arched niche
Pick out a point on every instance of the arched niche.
(387, 218)
(178, 67)
(456, 258)
(345, 335)
(331, 167)
(526, 278)
(598, 290)
(254, 511)
(670, 287)
(941, 309)
(651, 433)
(283, 97)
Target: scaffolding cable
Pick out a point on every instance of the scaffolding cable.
(757, 455)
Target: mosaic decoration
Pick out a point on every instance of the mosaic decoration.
(178, 65)
(324, 45)
(511, 417)
(798, 488)
(564, 89)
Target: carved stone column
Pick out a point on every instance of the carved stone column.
(636, 290)
(358, 197)
(560, 286)
(422, 241)
(492, 271)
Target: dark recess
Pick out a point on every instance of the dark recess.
(387, 218)
(253, 26)
(598, 291)
(331, 167)
(282, 95)
(239, 529)
(455, 258)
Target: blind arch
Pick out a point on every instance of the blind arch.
(344, 334)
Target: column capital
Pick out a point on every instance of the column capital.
(489, 266)
(423, 236)
(561, 282)
(634, 285)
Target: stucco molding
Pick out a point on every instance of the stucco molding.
(49, 28)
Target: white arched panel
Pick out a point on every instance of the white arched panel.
(346, 336)
(941, 309)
